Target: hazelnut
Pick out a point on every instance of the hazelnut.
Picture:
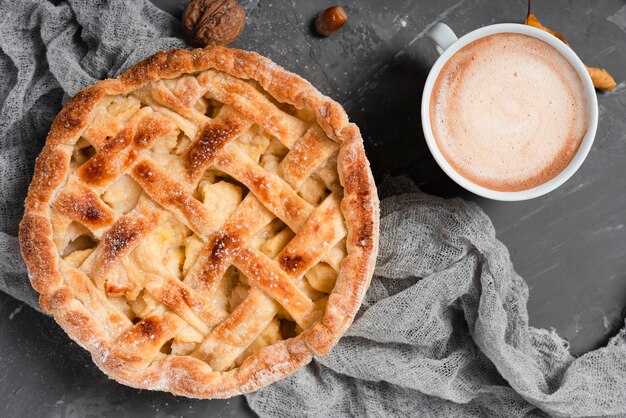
(213, 22)
(330, 20)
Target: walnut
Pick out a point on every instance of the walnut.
(213, 22)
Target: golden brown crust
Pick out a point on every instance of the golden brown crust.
(109, 345)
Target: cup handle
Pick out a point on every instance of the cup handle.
(442, 37)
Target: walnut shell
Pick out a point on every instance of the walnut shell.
(213, 22)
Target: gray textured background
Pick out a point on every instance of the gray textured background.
(570, 245)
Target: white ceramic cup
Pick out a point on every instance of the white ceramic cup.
(447, 44)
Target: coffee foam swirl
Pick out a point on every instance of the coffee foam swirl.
(508, 112)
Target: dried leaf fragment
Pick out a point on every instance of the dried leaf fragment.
(531, 20)
(599, 76)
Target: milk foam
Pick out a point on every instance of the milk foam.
(508, 112)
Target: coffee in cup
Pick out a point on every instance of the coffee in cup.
(508, 112)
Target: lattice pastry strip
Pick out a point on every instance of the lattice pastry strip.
(226, 127)
(183, 106)
(175, 197)
(191, 305)
(115, 322)
(82, 204)
(231, 338)
(110, 117)
(150, 334)
(274, 192)
(307, 154)
(253, 105)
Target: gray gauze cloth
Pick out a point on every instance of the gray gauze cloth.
(443, 330)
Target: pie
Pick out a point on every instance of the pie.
(203, 224)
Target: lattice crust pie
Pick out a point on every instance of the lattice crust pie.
(202, 224)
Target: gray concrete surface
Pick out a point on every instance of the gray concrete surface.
(570, 245)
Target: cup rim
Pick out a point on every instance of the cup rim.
(583, 149)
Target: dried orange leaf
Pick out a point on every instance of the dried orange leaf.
(599, 76)
(531, 20)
